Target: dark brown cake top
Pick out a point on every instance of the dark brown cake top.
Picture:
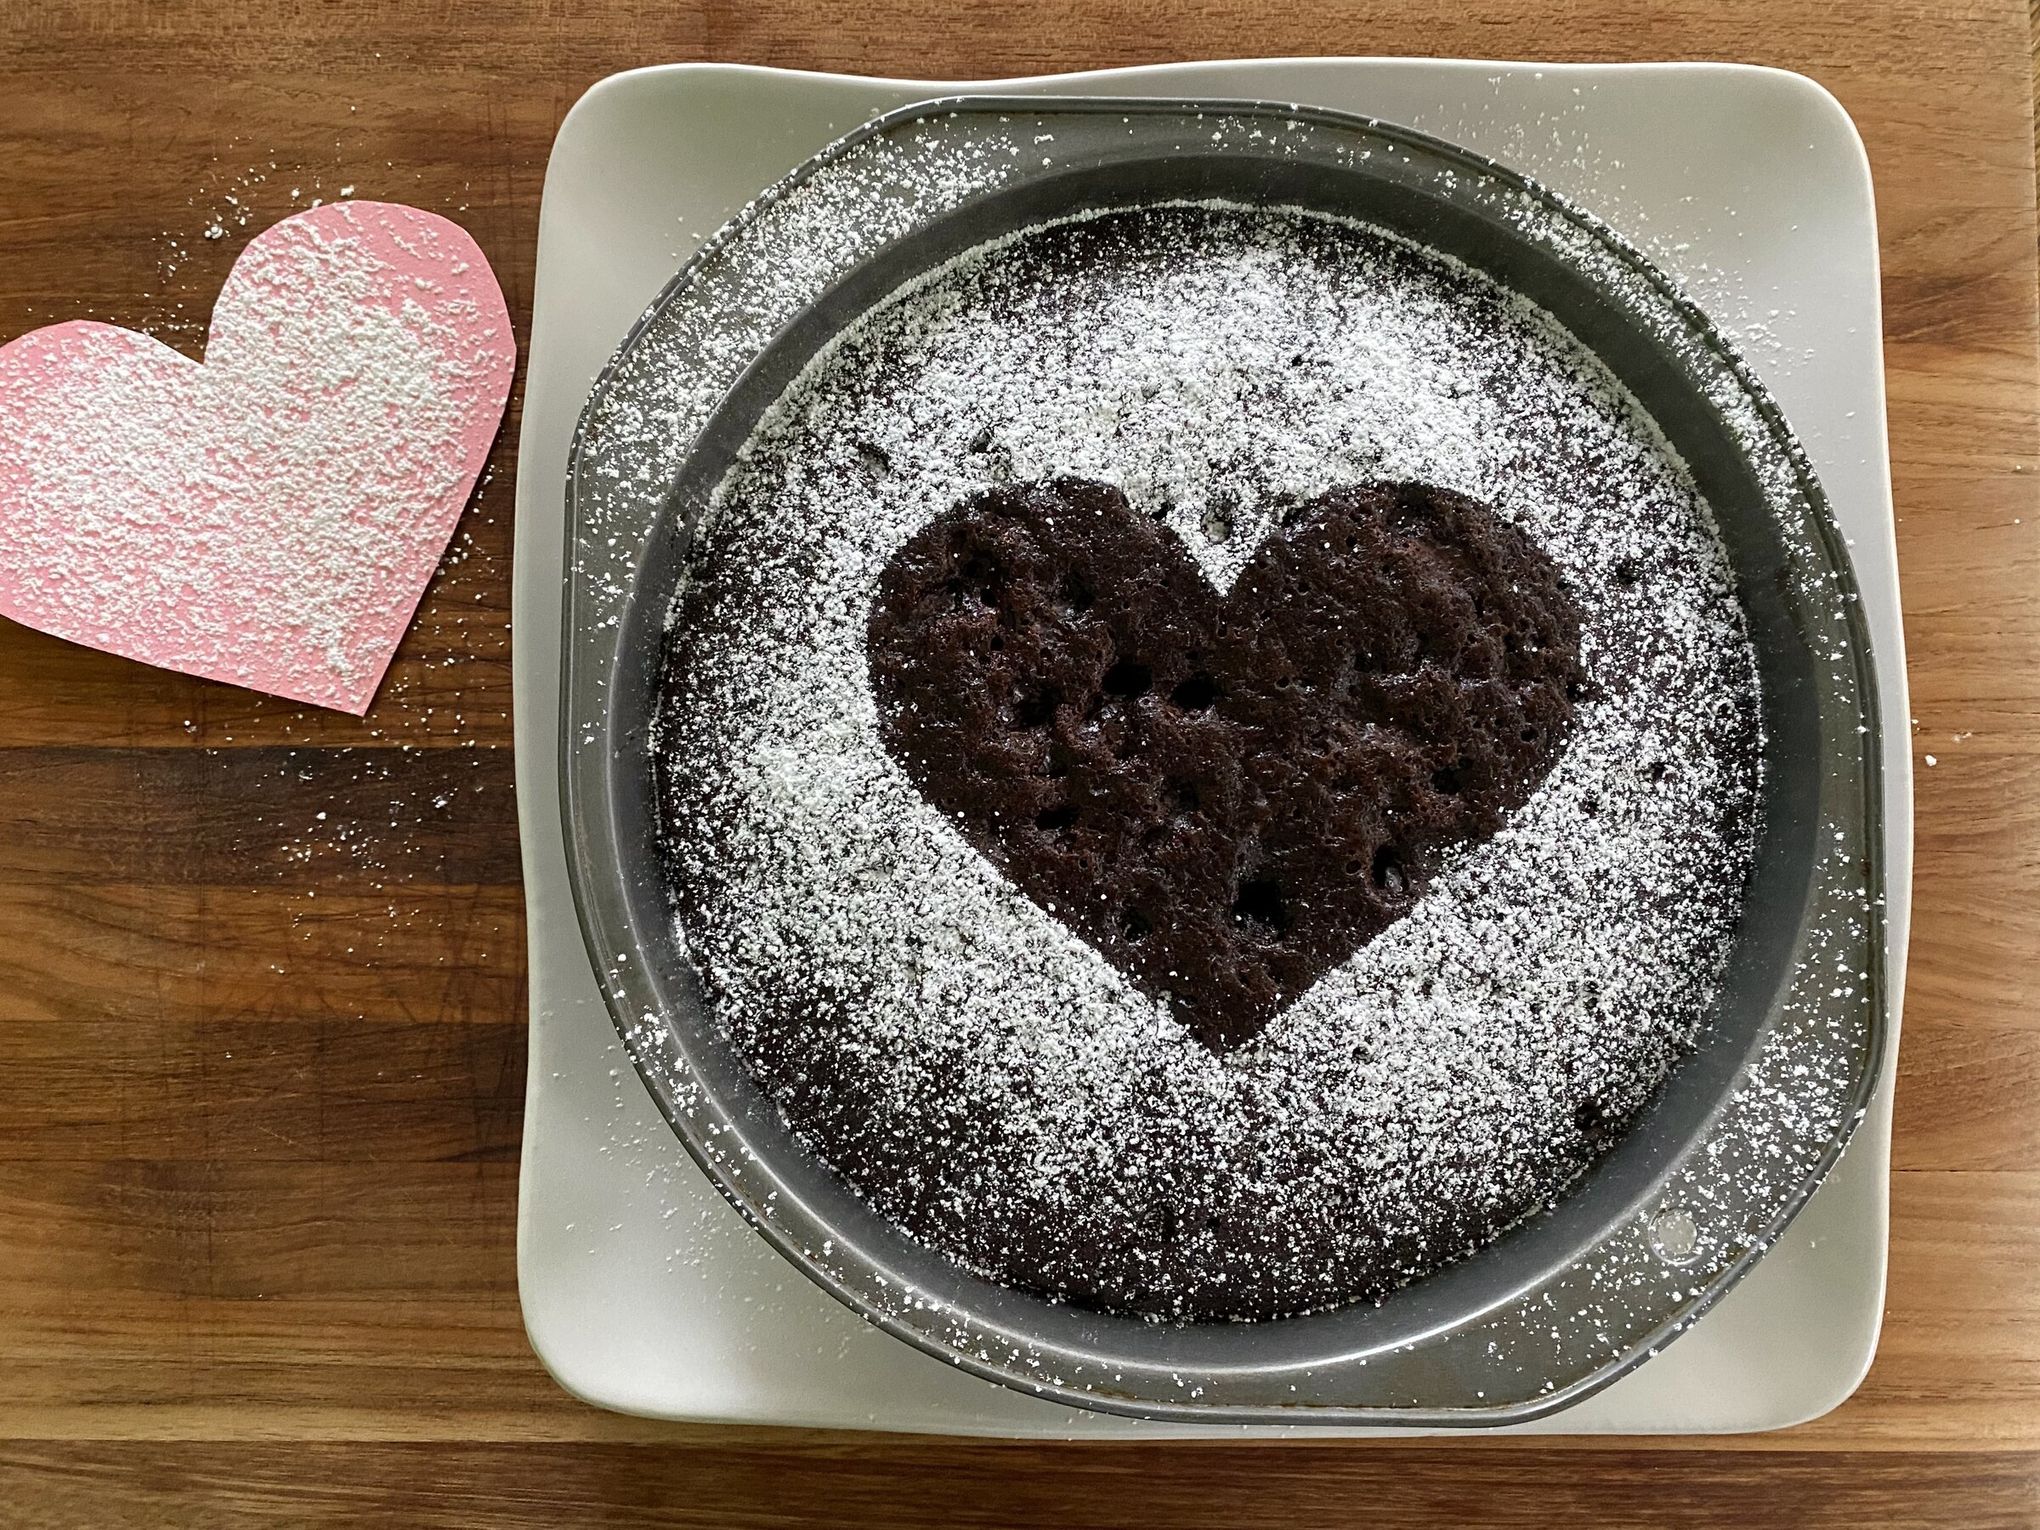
(1226, 795)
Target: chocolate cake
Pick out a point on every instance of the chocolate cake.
(1208, 760)
(1224, 796)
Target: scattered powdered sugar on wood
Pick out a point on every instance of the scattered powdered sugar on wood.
(973, 1067)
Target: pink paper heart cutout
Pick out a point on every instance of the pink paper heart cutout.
(272, 517)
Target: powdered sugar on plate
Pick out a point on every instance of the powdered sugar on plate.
(980, 1073)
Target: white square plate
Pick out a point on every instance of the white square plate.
(642, 1289)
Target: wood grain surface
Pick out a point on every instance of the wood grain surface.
(261, 969)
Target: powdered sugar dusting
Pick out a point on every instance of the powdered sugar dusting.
(1788, 1106)
(976, 1068)
(269, 518)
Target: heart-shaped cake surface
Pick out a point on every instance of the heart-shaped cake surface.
(1225, 794)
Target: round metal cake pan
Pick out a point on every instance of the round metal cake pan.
(1739, 1135)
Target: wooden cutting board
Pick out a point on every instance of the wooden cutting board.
(261, 992)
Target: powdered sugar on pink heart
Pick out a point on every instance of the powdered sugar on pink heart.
(272, 517)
